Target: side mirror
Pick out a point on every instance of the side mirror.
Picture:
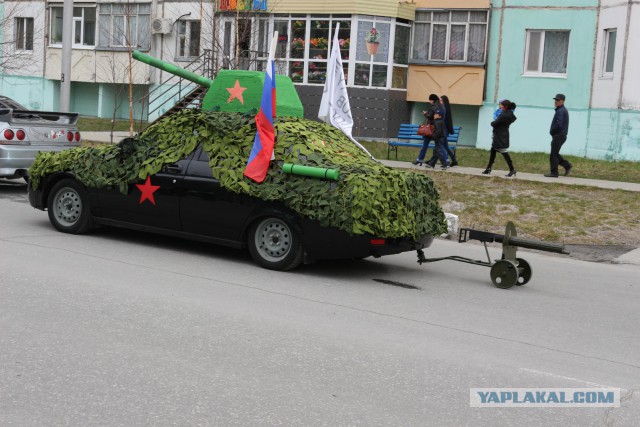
(126, 146)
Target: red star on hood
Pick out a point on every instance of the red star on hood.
(236, 92)
(147, 191)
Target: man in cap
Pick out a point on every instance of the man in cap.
(559, 129)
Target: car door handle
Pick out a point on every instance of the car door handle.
(174, 169)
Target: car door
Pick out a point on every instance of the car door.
(153, 202)
(208, 209)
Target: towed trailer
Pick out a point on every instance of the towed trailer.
(509, 270)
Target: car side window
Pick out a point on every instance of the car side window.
(203, 156)
(199, 166)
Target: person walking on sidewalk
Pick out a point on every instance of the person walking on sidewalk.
(500, 142)
(435, 106)
(559, 130)
(448, 127)
(439, 140)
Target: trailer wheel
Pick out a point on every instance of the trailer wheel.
(524, 272)
(504, 274)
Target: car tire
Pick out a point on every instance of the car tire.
(68, 207)
(275, 244)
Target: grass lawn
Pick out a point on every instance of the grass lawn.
(570, 214)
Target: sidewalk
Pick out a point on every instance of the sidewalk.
(104, 136)
(612, 185)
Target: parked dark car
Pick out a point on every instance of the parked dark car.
(184, 200)
(24, 133)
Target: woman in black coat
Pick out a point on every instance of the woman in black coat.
(500, 143)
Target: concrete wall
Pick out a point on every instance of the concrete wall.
(465, 116)
(32, 92)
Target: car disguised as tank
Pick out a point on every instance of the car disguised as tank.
(183, 177)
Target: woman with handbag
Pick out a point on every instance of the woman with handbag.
(448, 122)
(429, 120)
(500, 142)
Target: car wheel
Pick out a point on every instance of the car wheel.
(68, 207)
(275, 244)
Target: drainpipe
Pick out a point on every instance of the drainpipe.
(593, 76)
(624, 53)
(595, 54)
(495, 89)
(67, 41)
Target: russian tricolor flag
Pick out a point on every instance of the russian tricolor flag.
(262, 150)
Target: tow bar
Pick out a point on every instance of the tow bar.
(509, 270)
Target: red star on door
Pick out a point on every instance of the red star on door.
(236, 92)
(147, 191)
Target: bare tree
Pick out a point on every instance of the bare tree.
(115, 65)
(110, 70)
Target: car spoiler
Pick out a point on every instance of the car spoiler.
(15, 117)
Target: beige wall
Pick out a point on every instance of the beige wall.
(93, 66)
(453, 4)
(391, 8)
(464, 84)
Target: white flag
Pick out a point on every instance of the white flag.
(334, 106)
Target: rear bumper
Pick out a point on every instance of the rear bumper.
(332, 243)
(15, 160)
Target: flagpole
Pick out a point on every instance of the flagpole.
(335, 89)
(272, 48)
(271, 60)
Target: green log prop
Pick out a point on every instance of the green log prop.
(310, 171)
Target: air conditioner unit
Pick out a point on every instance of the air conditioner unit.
(161, 26)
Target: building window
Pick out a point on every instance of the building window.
(609, 53)
(84, 26)
(124, 25)
(546, 53)
(188, 39)
(24, 33)
(372, 70)
(457, 36)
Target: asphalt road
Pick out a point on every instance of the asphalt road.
(122, 328)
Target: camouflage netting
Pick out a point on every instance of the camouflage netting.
(368, 197)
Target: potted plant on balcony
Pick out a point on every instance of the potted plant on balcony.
(373, 41)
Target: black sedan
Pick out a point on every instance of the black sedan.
(184, 200)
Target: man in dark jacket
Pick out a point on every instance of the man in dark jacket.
(559, 129)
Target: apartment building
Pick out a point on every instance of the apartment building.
(474, 51)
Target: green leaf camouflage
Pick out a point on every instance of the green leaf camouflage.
(368, 198)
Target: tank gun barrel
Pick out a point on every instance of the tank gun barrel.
(171, 68)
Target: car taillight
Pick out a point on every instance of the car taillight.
(77, 136)
(69, 136)
(8, 134)
(377, 242)
(20, 134)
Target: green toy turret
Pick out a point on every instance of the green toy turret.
(234, 90)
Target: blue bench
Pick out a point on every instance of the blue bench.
(409, 132)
